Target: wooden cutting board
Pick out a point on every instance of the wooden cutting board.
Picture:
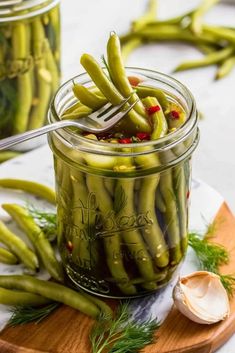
(66, 330)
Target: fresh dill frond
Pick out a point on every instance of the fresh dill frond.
(122, 334)
(210, 255)
(45, 220)
(25, 314)
(228, 282)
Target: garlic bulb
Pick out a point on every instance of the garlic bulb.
(201, 297)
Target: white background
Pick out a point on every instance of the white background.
(86, 27)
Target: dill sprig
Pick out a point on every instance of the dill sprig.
(45, 220)
(25, 314)
(228, 282)
(211, 256)
(122, 334)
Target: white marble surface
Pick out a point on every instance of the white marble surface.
(86, 26)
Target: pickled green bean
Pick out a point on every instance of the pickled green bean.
(18, 247)
(118, 73)
(132, 237)
(160, 127)
(88, 98)
(111, 243)
(6, 257)
(38, 239)
(109, 90)
(20, 51)
(144, 92)
(152, 234)
(44, 77)
(171, 217)
(17, 298)
(53, 291)
(31, 187)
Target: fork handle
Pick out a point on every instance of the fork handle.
(14, 140)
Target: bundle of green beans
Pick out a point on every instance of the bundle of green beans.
(28, 291)
(122, 235)
(29, 71)
(216, 42)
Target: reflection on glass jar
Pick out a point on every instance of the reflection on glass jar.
(29, 63)
(123, 211)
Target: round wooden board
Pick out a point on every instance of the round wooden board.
(66, 330)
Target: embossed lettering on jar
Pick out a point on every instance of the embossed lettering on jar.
(123, 209)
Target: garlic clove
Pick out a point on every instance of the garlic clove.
(201, 297)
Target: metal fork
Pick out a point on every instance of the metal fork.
(99, 121)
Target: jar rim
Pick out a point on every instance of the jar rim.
(10, 10)
(165, 142)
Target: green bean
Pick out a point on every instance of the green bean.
(144, 92)
(152, 234)
(159, 203)
(32, 187)
(225, 67)
(208, 48)
(88, 98)
(111, 243)
(105, 309)
(73, 108)
(38, 239)
(51, 66)
(132, 237)
(6, 155)
(181, 192)
(161, 32)
(109, 185)
(44, 77)
(18, 247)
(83, 221)
(20, 51)
(160, 127)
(77, 114)
(118, 73)
(171, 217)
(222, 33)
(209, 59)
(148, 16)
(128, 47)
(54, 17)
(50, 290)
(110, 92)
(6, 257)
(197, 15)
(15, 298)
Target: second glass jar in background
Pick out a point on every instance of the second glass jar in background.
(29, 63)
(123, 210)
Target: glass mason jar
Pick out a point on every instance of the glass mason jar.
(123, 209)
(29, 63)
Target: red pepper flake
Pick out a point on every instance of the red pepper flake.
(153, 109)
(175, 115)
(69, 246)
(188, 194)
(125, 140)
(143, 136)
